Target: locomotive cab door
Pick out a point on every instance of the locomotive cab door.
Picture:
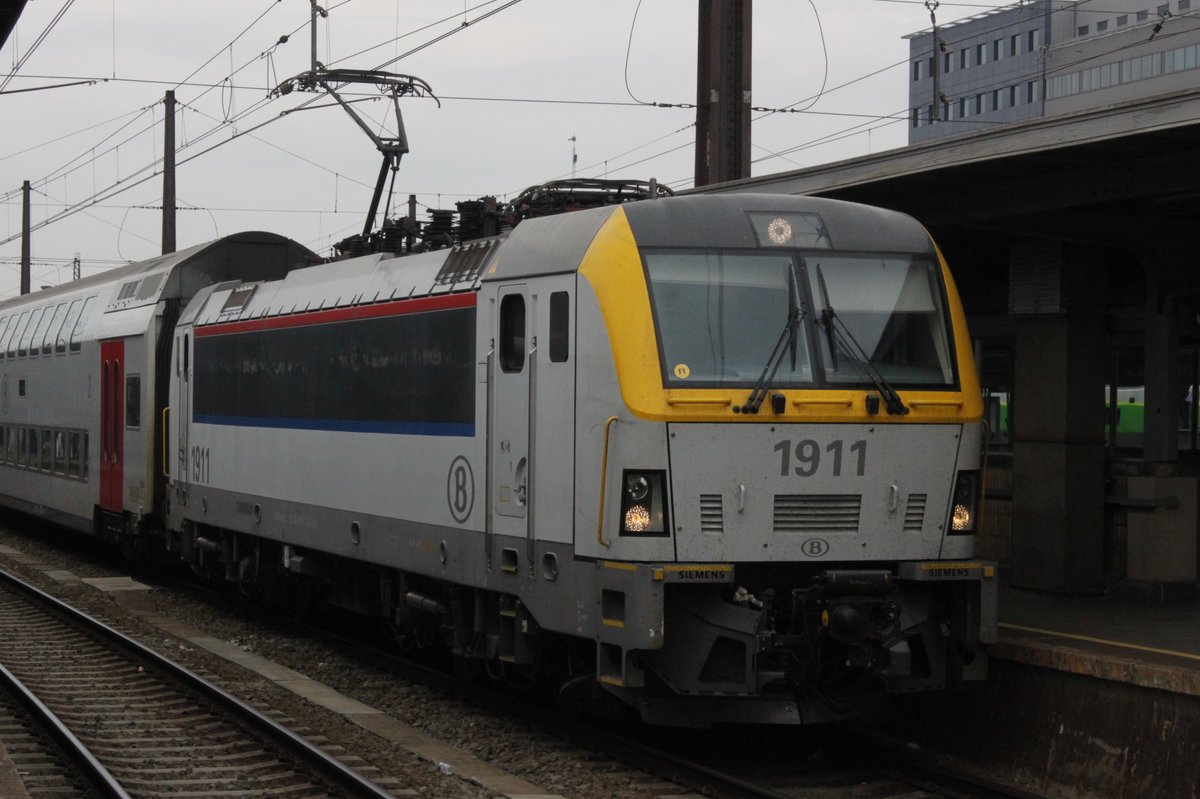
(112, 425)
(511, 469)
(531, 420)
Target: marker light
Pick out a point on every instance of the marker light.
(963, 515)
(644, 503)
(779, 230)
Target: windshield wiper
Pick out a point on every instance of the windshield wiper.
(786, 342)
(838, 334)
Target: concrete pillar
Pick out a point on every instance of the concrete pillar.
(1161, 441)
(1058, 454)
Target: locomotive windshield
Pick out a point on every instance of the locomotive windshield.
(718, 315)
(892, 308)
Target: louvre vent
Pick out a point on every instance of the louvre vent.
(712, 514)
(465, 263)
(817, 513)
(150, 286)
(127, 290)
(914, 513)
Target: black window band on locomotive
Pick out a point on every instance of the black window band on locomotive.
(409, 372)
(719, 312)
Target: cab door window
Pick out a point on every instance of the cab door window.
(512, 333)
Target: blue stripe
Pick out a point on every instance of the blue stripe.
(343, 425)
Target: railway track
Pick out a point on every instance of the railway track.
(725, 763)
(138, 725)
(31, 764)
(643, 762)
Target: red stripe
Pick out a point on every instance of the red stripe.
(395, 308)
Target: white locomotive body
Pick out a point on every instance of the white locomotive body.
(718, 455)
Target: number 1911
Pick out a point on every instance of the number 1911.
(807, 456)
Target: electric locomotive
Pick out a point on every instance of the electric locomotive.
(715, 456)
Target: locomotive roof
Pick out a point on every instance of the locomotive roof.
(553, 245)
(556, 244)
(720, 220)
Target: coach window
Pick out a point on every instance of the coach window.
(77, 331)
(512, 333)
(64, 331)
(60, 452)
(560, 326)
(22, 446)
(52, 330)
(39, 333)
(47, 450)
(35, 320)
(12, 336)
(73, 455)
(26, 332)
(133, 401)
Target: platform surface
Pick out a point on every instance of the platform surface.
(1154, 646)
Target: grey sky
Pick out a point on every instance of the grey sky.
(308, 174)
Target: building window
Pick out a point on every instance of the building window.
(1083, 30)
(930, 63)
(946, 63)
(1034, 40)
(916, 70)
(1142, 16)
(932, 118)
(1014, 43)
(1184, 5)
(1123, 20)
(962, 58)
(914, 119)
(981, 54)
(1012, 96)
(963, 109)
(997, 49)
(1163, 11)
(995, 99)
(978, 104)
(1102, 26)
(1031, 91)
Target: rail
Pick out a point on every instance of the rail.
(98, 777)
(328, 768)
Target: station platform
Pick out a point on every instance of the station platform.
(1086, 698)
(1152, 646)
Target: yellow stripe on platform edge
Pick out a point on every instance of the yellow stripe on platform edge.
(1104, 641)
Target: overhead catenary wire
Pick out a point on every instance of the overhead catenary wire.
(37, 43)
(132, 181)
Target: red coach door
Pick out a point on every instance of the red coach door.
(112, 424)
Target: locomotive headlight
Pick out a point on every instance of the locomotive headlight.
(637, 519)
(965, 505)
(643, 504)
